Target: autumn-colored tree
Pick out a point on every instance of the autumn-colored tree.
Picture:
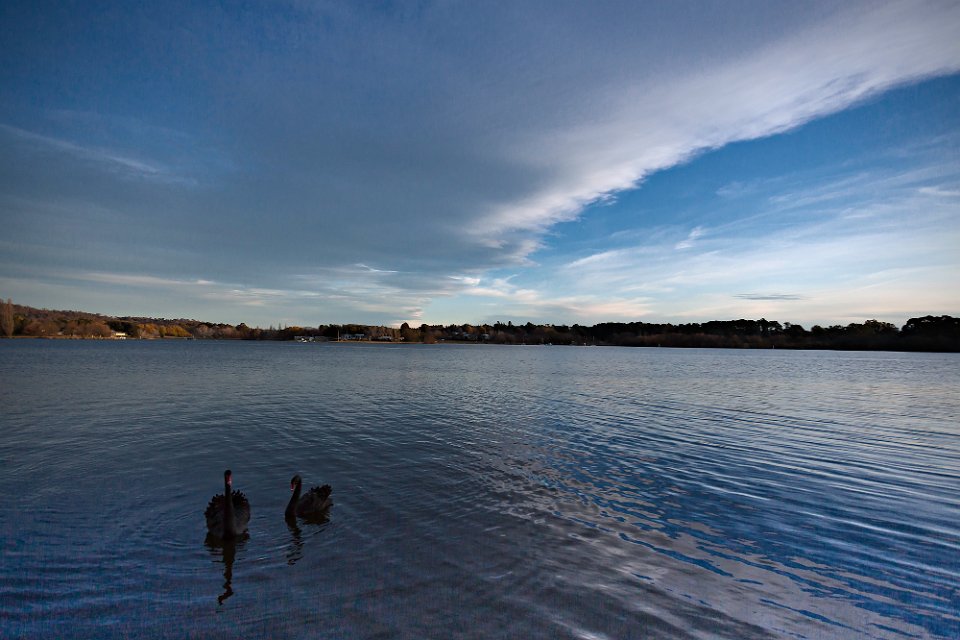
(6, 319)
(99, 330)
(73, 328)
(427, 335)
(175, 331)
(202, 331)
(41, 328)
(148, 330)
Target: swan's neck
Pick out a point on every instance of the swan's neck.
(294, 499)
(229, 525)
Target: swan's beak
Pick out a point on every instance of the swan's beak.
(291, 487)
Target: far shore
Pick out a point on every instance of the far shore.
(925, 333)
(666, 343)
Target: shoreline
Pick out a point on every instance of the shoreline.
(664, 345)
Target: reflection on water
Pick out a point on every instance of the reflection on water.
(225, 552)
(296, 541)
(314, 522)
(485, 492)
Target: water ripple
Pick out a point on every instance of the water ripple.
(534, 492)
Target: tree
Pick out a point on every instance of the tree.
(794, 330)
(6, 318)
(932, 333)
(933, 326)
(407, 334)
(427, 335)
(878, 327)
(174, 331)
(41, 327)
(148, 330)
(99, 330)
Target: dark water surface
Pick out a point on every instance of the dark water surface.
(481, 492)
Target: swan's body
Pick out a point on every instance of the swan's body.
(227, 517)
(313, 502)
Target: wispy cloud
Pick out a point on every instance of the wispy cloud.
(611, 257)
(111, 159)
(769, 296)
(691, 238)
(869, 240)
(939, 191)
(132, 280)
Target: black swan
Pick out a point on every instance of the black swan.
(226, 519)
(314, 502)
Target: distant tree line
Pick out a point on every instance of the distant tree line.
(927, 333)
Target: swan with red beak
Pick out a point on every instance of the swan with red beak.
(314, 502)
(228, 513)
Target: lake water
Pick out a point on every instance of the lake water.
(481, 491)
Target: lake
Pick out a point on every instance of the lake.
(480, 491)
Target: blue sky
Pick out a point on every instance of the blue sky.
(306, 163)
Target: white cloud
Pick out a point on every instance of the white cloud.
(939, 191)
(755, 93)
(604, 257)
(134, 280)
(691, 238)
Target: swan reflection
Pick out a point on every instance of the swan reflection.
(295, 552)
(296, 542)
(225, 551)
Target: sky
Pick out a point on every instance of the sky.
(304, 163)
